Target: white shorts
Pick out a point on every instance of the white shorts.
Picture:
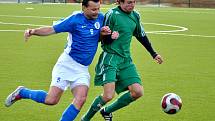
(69, 73)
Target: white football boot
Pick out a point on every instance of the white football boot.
(13, 97)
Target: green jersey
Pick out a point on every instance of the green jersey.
(128, 25)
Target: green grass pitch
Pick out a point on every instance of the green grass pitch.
(185, 39)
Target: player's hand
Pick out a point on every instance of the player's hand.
(105, 30)
(115, 35)
(28, 34)
(159, 59)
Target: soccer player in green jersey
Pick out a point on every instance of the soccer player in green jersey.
(115, 70)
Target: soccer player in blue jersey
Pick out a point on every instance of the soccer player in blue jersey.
(71, 70)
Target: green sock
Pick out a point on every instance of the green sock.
(95, 107)
(121, 102)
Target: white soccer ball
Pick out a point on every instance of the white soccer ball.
(171, 103)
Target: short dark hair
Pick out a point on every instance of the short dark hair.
(120, 1)
(85, 2)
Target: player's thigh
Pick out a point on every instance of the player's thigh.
(80, 91)
(126, 77)
(128, 71)
(79, 87)
(106, 68)
(57, 87)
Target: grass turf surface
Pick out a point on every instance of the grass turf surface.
(188, 69)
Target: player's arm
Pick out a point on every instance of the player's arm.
(146, 43)
(105, 31)
(107, 36)
(143, 39)
(42, 31)
(112, 35)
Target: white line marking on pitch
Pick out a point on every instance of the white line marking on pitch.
(12, 30)
(20, 24)
(167, 32)
(29, 8)
(14, 16)
(177, 30)
(189, 35)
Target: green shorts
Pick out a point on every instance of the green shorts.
(114, 68)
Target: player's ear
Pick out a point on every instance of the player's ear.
(83, 8)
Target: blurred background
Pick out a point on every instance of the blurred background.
(156, 3)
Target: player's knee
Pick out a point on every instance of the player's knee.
(108, 98)
(51, 101)
(137, 93)
(80, 100)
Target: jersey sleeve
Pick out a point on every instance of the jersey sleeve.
(65, 25)
(139, 31)
(142, 38)
(108, 20)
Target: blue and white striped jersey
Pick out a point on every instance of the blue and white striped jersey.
(83, 36)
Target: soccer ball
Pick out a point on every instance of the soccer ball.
(171, 103)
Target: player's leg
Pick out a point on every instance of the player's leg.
(99, 101)
(122, 101)
(108, 95)
(95, 107)
(105, 76)
(24, 93)
(40, 96)
(14, 96)
(135, 92)
(79, 88)
(80, 95)
(131, 82)
(51, 98)
(54, 95)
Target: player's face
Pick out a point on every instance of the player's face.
(128, 5)
(92, 10)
